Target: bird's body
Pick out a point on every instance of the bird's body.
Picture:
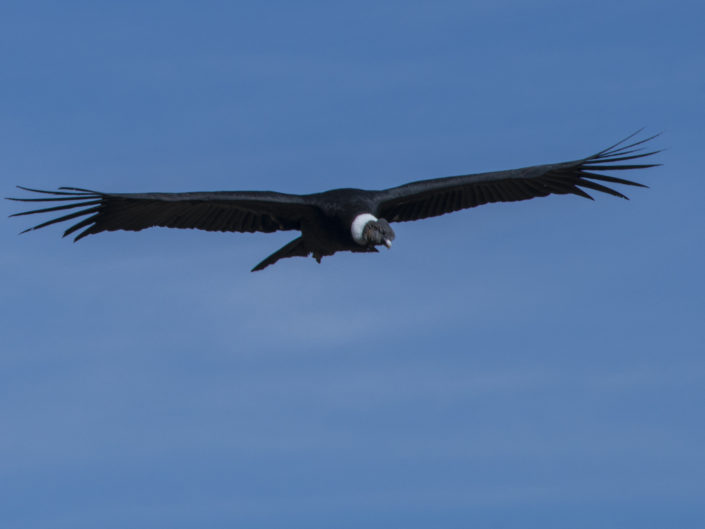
(345, 219)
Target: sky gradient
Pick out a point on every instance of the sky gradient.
(537, 364)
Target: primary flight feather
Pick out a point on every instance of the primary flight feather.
(353, 220)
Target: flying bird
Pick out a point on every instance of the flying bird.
(354, 220)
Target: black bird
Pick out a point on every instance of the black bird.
(354, 220)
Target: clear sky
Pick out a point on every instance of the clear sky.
(538, 364)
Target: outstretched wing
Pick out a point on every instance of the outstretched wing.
(243, 211)
(430, 198)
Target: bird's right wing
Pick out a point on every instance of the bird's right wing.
(242, 211)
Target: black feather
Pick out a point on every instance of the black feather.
(325, 219)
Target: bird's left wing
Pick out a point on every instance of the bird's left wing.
(430, 198)
(242, 211)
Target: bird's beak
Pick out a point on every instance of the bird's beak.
(387, 243)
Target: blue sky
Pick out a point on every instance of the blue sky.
(537, 364)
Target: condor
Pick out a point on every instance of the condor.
(353, 220)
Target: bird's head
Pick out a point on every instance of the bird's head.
(368, 230)
(378, 232)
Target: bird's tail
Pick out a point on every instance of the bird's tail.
(295, 248)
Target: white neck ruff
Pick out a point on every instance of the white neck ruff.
(358, 226)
